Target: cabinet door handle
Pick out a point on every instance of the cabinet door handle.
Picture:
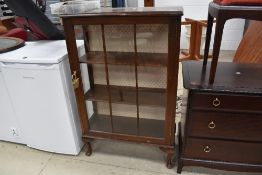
(207, 149)
(211, 125)
(216, 102)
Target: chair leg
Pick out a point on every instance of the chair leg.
(210, 21)
(216, 48)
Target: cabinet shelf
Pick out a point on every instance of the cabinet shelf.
(127, 125)
(126, 58)
(127, 95)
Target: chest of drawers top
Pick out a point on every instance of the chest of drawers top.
(237, 87)
(231, 78)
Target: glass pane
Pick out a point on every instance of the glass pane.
(101, 120)
(137, 81)
(98, 94)
(152, 40)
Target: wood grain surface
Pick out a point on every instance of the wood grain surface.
(250, 48)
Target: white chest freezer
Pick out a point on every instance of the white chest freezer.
(38, 80)
(9, 125)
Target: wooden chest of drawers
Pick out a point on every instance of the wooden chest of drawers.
(222, 125)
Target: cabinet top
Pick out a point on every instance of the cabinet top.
(131, 11)
(230, 77)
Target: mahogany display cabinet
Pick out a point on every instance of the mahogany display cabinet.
(132, 57)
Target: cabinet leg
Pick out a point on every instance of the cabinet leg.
(169, 161)
(170, 155)
(179, 166)
(179, 161)
(88, 149)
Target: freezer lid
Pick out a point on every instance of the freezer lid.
(41, 52)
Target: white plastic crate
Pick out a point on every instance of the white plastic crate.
(74, 7)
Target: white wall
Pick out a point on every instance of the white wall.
(106, 3)
(135, 3)
(198, 9)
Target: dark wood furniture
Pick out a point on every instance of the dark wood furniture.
(223, 13)
(149, 3)
(250, 50)
(10, 43)
(221, 126)
(8, 22)
(127, 23)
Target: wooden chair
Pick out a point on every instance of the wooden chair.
(222, 13)
(195, 40)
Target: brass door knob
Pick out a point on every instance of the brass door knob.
(211, 125)
(216, 102)
(207, 149)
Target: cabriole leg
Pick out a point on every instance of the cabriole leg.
(88, 149)
(170, 155)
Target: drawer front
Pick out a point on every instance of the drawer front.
(226, 125)
(224, 151)
(233, 102)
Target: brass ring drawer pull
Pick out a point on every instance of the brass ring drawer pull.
(211, 125)
(207, 149)
(216, 102)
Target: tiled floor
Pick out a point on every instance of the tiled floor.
(108, 158)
